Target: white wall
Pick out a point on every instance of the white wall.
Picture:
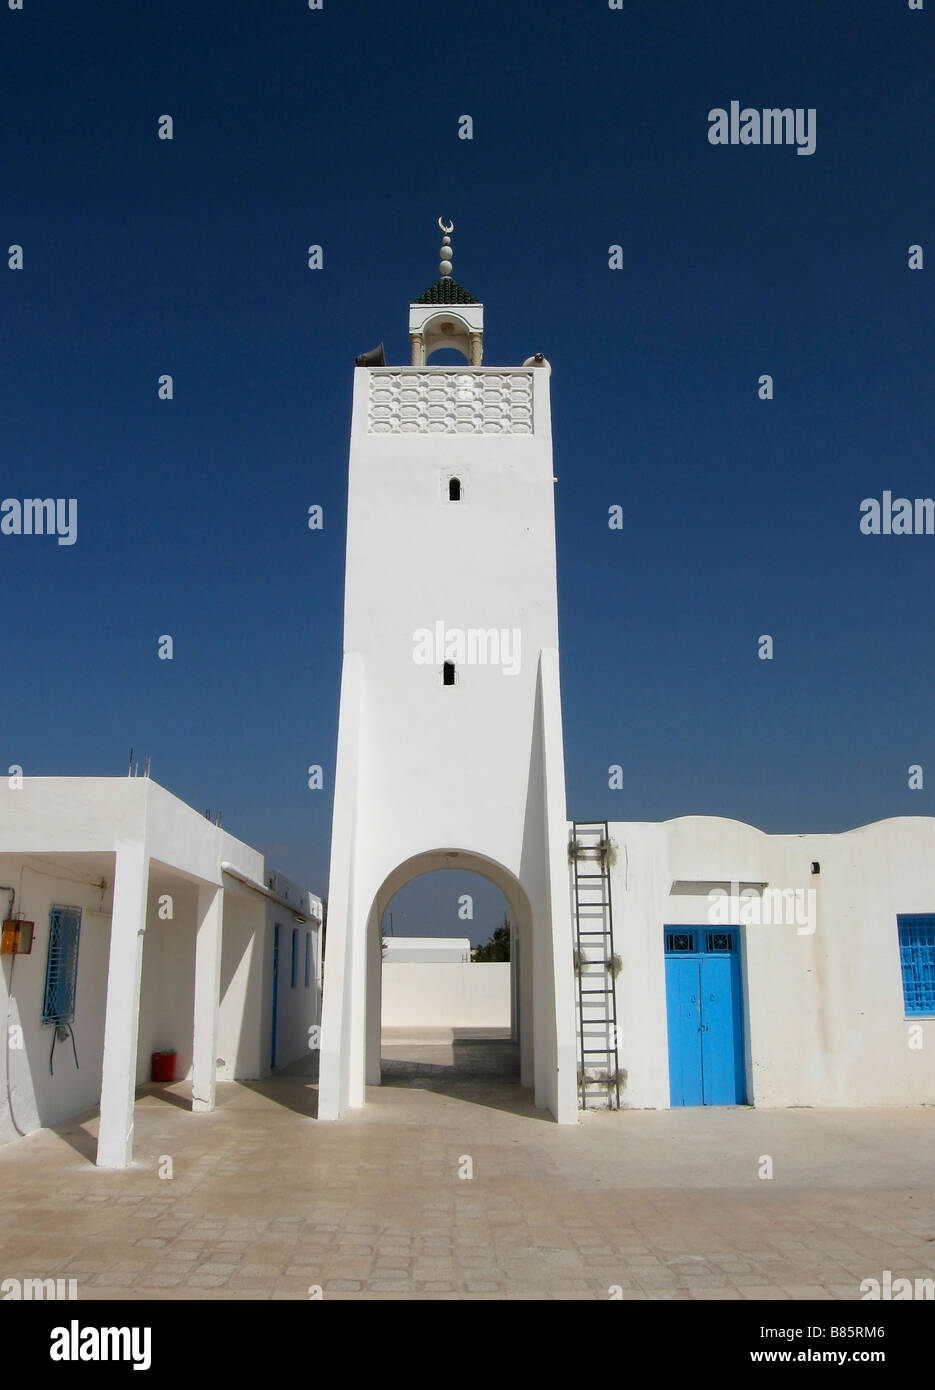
(448, 995)
(241, 1049)
(413, 558)
(426, 949)
(40, 1097)
(824, 1017)
(167, 985)
(457, 772)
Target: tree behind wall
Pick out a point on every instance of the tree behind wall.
(497, 948)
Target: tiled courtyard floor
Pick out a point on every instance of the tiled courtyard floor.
(265, 1202)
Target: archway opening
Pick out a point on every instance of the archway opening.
(447, 357)
(450, 983)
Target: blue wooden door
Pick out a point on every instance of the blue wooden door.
(721, 1051)
(705, 1018)
(683, 990)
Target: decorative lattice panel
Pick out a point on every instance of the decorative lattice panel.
(450, 403)
(696, 940)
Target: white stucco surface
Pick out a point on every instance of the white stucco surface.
(426, 948)
(823, 1012)
(449, 995)
(144, 868)
(430, 776)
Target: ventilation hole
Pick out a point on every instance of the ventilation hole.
(448, 673)
(454, 489)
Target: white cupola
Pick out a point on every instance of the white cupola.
(446, 315)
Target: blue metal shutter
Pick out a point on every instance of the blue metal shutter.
(917, 957)
(61, 973)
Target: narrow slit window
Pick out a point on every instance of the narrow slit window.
(308, 959)
(448, 673)
(295, 954)
(454, 489)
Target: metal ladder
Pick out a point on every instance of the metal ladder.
(594, 939)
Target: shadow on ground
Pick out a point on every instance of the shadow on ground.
(480, 1071)
(461, 1059)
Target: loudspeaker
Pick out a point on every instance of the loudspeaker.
(375, 358)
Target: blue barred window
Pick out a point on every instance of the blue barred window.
(917, 957)
(720, 941)
(61, 971)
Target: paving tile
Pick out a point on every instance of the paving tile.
(652, 1202)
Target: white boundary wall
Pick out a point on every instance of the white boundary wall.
(449, 995)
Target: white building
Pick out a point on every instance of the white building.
(773, 970)
(710, 963)
(154, 931)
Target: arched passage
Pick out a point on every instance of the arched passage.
(445, 1017)
(520, 917)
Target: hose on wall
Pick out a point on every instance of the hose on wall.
(5, 887)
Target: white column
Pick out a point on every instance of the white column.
(374, 996)
(122, 1017)
(207, 995)
(557, 979)
(334, 1063)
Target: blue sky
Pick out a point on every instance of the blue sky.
(339, 127)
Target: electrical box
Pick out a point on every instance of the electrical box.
(16, 939)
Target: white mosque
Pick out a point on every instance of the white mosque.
(696, 961)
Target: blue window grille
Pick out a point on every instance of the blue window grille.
(308, 959)
(917, 957)
(721, 941)
(699, 941)
(295, 955)
(61, 971)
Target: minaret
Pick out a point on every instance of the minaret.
(450, 739)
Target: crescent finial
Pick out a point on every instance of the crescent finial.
(447, 229)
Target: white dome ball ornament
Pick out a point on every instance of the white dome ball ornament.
(446, 253)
